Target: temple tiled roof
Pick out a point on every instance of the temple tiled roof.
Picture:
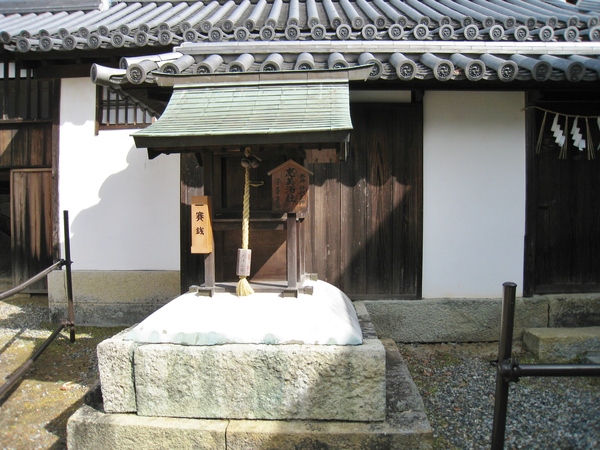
(403, 39)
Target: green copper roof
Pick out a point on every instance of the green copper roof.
(262, 112)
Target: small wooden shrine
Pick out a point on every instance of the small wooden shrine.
(251, 134)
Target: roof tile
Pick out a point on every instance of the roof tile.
(320, 27)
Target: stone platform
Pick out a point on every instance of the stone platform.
(253, 395)
(244, 381)
(562, 345)
(405, 426)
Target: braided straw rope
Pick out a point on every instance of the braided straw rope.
(243, 287)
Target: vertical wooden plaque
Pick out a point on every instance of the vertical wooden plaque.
(202, 234)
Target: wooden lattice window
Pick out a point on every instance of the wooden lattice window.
(119, 110)
(22, 97)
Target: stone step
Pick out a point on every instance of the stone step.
(562, 345)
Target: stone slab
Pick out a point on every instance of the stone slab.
(574, 310)
(93, 429)
(259, 381)
(115, 367)
(561, 345)
(245, 380)
(326, 317)
(112, 298)
(452, 320)
(367, 327)
(405, 426)
(277, 435)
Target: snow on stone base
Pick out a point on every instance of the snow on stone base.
(327, 317)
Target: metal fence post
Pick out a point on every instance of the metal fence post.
(68, 263)
(504, 354)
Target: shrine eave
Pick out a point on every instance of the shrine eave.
(247, 109)
(177, 144)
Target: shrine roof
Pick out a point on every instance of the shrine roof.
(225, 109)
(403, 39)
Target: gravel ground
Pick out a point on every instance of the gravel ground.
(456, 382)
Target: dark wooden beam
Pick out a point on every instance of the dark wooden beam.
(63, 71)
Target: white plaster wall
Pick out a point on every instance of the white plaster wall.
(123, 207)
(474, 193)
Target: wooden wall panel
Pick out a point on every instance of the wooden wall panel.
(26, 145)
(29, 112)
(31, 234)
(408, 200)
(380, 204)
(26, 98)
(268, 254)
(324, 219)
(353, 277)
(365, 233)
(564, 215)
(5, 147)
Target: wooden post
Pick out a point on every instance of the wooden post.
(292, 256)
(301, 255)
(209, 272)
(290, 183)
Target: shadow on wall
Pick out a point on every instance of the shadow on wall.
(134, 226)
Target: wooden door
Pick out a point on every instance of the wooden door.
(563, 227)
(31, 225)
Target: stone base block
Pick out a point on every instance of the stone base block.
(561, 345)
(452, 320)
(115, 367)
(574, 310)
(244, 381)
(93, 429)
(405, 426)
(261, 381)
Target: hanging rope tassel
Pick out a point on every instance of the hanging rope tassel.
(243, 287)
(538, 145)
(590, 144)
